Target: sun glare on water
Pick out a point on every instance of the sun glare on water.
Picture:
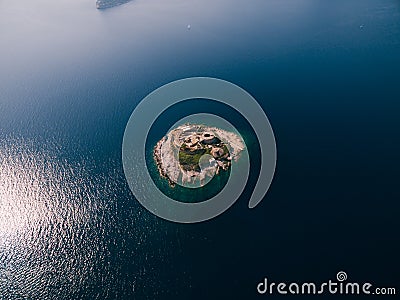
(46, 213)
(55, 216)
(31, 184)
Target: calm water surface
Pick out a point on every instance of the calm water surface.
(326, 73)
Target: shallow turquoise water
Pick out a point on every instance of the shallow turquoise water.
(70, 76)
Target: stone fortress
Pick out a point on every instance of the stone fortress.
(195, 152)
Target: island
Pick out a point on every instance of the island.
(103, 4)
(194, 153)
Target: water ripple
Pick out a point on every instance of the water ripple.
(60, 227)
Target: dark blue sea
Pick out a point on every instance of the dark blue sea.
(327, 74)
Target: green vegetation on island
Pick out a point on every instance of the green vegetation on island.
(192, 153)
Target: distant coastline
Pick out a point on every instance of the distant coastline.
(103, 4)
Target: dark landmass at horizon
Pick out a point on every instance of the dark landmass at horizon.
(103, 4)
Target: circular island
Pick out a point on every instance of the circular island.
(192, 154)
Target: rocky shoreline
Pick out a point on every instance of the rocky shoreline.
(157, 158)
(195, 153)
